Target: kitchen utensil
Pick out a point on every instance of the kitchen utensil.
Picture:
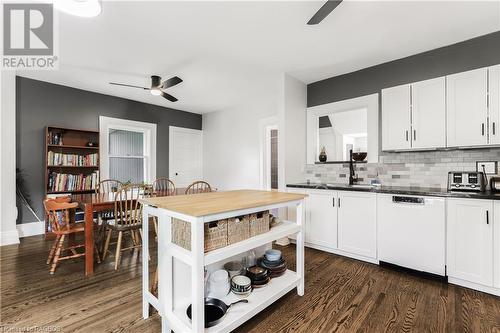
(273, 255)
(241, 283)
(215, 310)
(260, 284)
(249, 260)
(256, 273)
(495, 183)
(359, 156)
(219, 284)
(234, 268)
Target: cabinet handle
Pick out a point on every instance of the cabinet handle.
(333, 201)
(493, 124)
(414, 135)
(339, 202)
(406, 135)
(482, 129)
(487, 217)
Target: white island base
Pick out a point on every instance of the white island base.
(181, 272)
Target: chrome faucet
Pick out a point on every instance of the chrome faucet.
(353, 178)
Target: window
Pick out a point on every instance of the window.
(128, 151)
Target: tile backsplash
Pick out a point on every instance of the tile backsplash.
(415, 169)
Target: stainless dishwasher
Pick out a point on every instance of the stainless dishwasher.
(411, 232)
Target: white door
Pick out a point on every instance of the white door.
(428, 99)
(396, 118)
(321, 218)
(357, 228)
(185, 156)
(470, 240)
(494, 104)
(467, 110)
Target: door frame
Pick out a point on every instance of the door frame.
(171, 130)
(265, 126)
(150, 149)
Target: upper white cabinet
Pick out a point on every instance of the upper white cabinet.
(357, 223)
(467, 108)
(321, 217)
(494, 104)
(470, 240)
(414, 115)
(428, 114)
(396, 119)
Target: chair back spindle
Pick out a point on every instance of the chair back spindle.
(198, 187)
(163, 187)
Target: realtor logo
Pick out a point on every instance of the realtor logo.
(28, 36)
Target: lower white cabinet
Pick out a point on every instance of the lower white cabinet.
(321, 218)
(357, 223)
(496, 245)
(470, 240)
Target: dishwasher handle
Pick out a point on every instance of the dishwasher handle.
(408, 200)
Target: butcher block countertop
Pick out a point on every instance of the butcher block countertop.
(204, 204)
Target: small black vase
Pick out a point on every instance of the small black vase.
(322, 157)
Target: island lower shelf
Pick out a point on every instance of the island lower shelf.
(258, 300)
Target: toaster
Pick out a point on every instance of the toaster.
(466, 181)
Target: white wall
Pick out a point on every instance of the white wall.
(292, 139)
(8, 211)
(233, 139)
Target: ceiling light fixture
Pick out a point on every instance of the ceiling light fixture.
(155, 91)
(83, 8)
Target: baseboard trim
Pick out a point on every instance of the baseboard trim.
(475, 286)
(31, 229)
(339, 252)
(9, 237)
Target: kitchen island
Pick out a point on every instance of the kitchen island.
(181, 272)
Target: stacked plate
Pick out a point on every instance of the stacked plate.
(273, 262)
(259, 276)
(218, 284)
(241, 285)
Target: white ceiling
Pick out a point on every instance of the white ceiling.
(229, 51)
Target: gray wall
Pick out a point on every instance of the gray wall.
(471, 54)
(39, 104)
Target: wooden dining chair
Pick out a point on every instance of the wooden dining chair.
(163, 187)
(198, 187)
(128, 219)
(105, 187)
(61, 214)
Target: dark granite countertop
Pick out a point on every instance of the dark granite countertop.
(425, 191)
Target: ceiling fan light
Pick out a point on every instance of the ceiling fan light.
(155, 91)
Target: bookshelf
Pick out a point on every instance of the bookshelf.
(71, 161)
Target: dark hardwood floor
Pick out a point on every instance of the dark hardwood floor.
(342, 295)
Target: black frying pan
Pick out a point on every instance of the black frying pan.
(215, 310)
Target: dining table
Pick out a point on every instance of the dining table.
(90, 203)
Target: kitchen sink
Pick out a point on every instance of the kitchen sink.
(362, 186)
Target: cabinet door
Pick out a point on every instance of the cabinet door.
(470, 240)
(494, 104)
(396, 118)
(496, 244)
(428, 113)
(321, 218)
(467, 112)
(357, 230)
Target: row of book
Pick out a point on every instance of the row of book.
(55, 139)
(61, 182)
(60, 159)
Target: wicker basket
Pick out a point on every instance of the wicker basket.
(259, 223)
(238, 229)
(215, 234)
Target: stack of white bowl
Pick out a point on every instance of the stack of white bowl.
(219, 284)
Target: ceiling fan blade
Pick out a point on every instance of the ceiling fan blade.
(169, 97)
(171, 82)
(128, 85)
(324, 11)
